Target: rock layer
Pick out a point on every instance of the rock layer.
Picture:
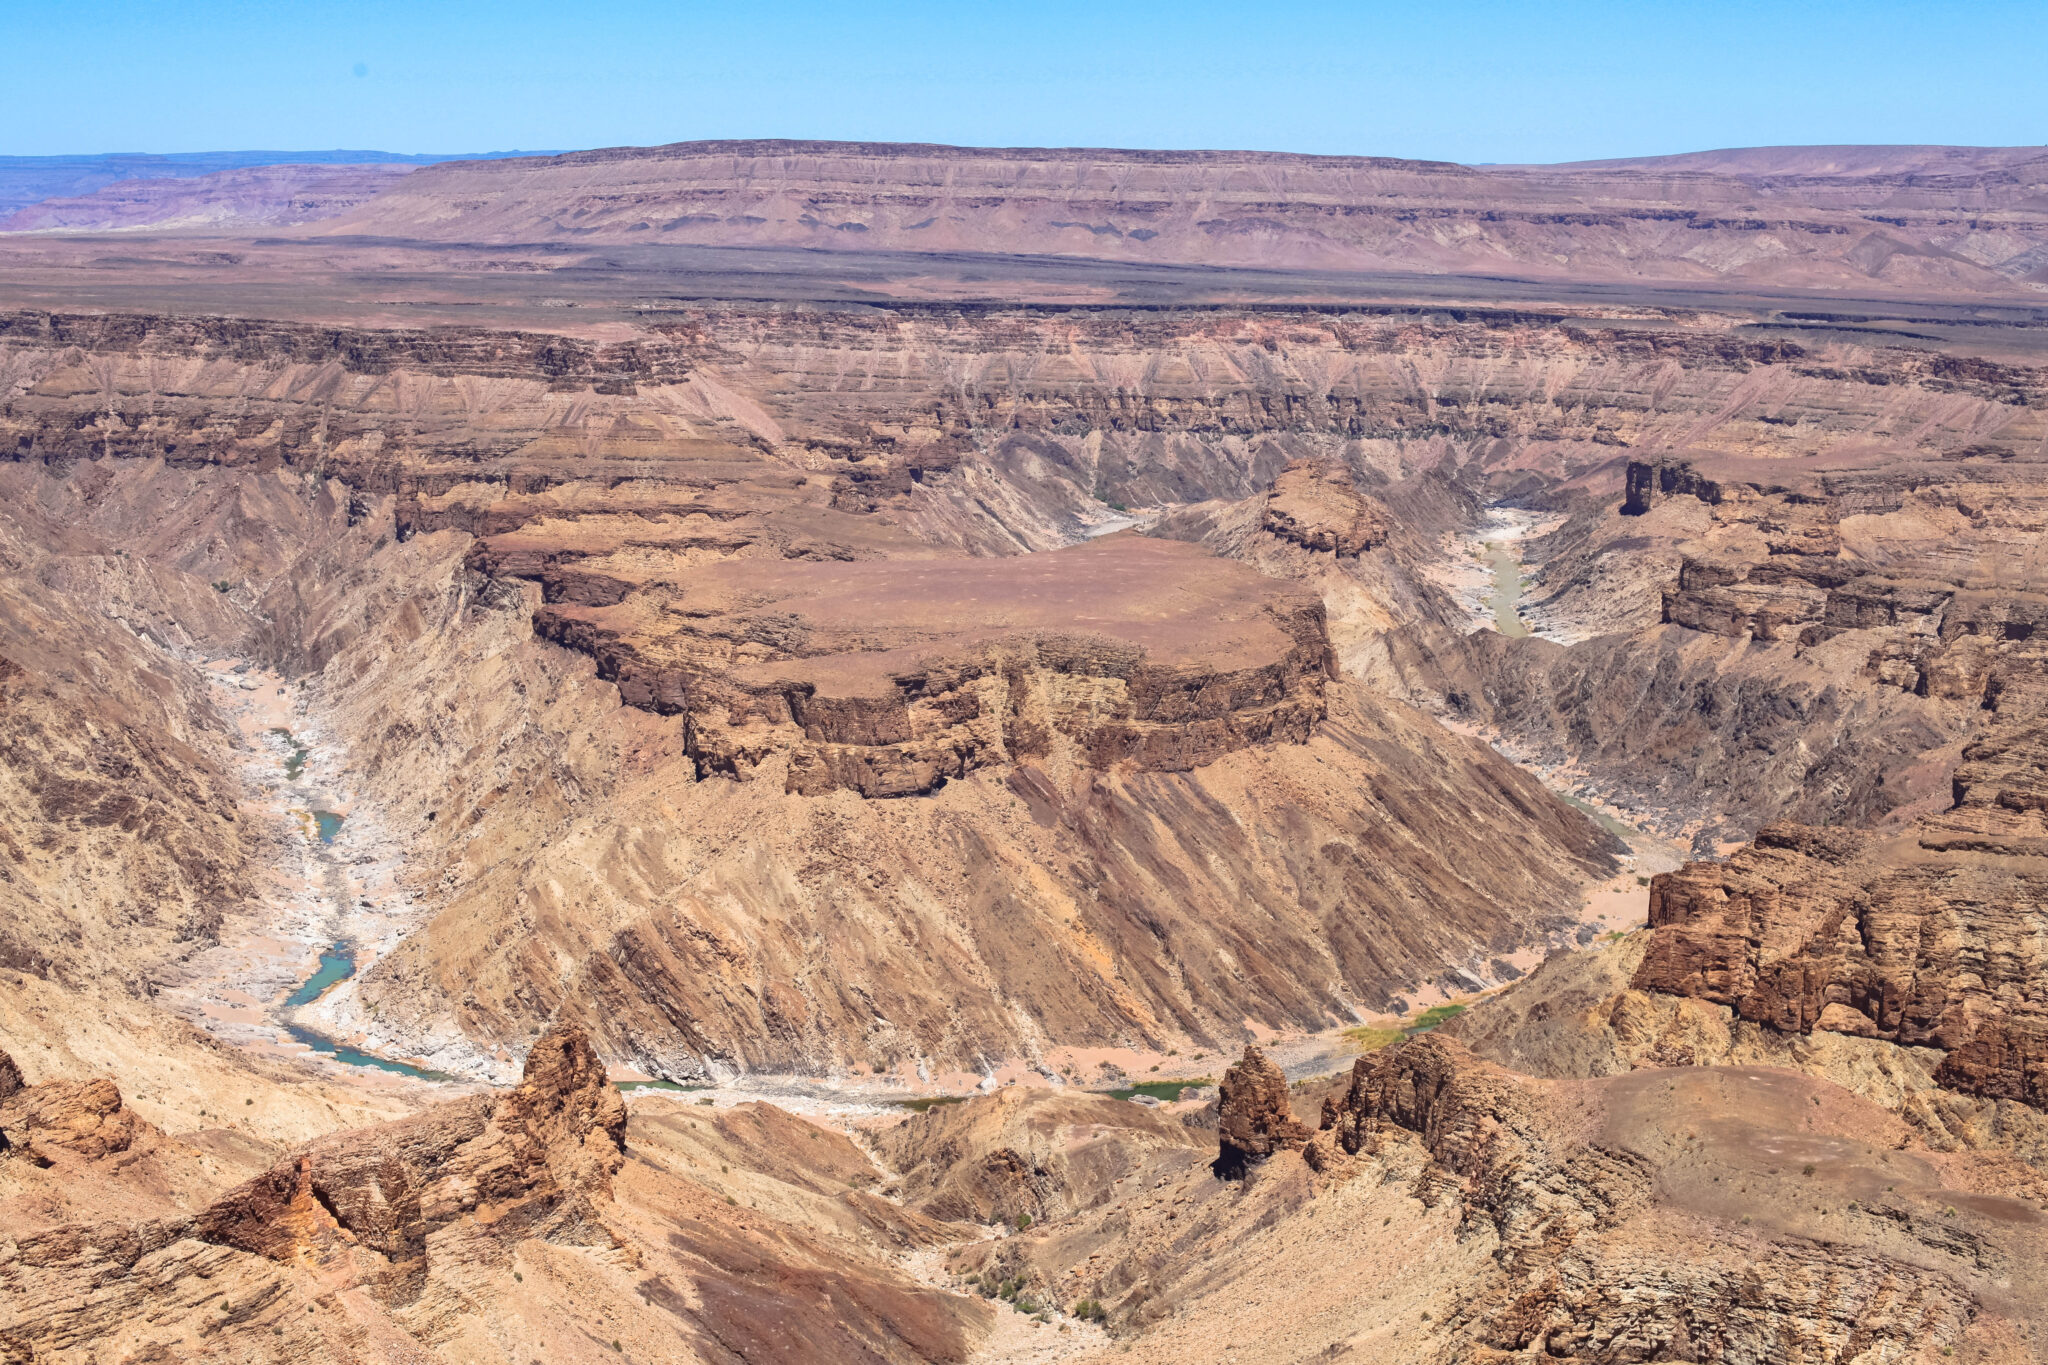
(1967, 228)
(1926, 938)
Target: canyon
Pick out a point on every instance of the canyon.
(1233, 787)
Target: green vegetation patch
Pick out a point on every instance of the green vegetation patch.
(295, 762)
(1164, 1091)
(1431, 1017)
(1370, 1039)
(928, 1102)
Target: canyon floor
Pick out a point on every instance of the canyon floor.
(583, 779)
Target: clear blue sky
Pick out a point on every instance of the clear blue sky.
(1459, 79)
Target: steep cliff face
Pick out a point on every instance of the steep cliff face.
(1135, 755)
(1924, 939)
(1771, 636)
(1254, 1119)
(889, 678)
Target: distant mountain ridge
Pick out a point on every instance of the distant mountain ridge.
(26, 180)
(1898, 219)
(1925, 220)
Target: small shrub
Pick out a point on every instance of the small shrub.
(223, 585)
(516, 1276)
(1023, 1221)
(1807, 1169)
(1088, 1310)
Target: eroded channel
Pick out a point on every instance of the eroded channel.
(331, 903)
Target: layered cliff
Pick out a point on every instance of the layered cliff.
(1924, 939)
(1968, 227)
(890, 677)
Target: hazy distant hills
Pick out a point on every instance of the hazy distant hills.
(26, 180)
(1924, 220)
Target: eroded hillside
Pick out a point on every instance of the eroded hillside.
(405, 732)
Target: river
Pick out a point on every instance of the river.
(1486, 573)
(330, 902)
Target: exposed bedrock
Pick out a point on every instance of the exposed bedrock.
(1783, 640)
(891, 677)
(479, 1229)
(1929, 938)
(715, 926)
(1621, 1230)
(1254, 1117)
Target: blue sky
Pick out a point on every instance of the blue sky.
(1460, 79)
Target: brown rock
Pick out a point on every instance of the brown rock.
(1321, 509)
(1931, 940)
(1026, 1150)
(1255, 1118)
(84, 1118)
(540, 1158)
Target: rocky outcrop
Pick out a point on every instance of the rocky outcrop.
(1321, 509)
(538, 1160)
(85, 1119)
(502, 1227)
(1584, 1227)
(1487, 1127)
(1254, 1116)
(1925, 939)
(387, 1211)
(1645, 481)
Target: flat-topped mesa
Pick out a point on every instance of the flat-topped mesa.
(890, 677)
